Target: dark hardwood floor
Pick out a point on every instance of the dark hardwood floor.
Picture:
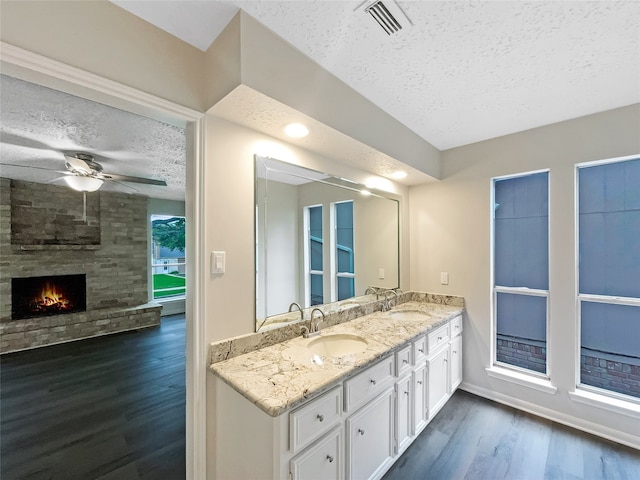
(111, 407)
(114, 408)
(473, 438)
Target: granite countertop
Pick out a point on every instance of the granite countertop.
(282, 376)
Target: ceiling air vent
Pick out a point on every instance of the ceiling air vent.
(387, 14)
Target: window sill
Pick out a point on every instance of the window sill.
(604, 402)
(529, 381)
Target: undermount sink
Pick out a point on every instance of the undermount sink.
(413, 315)
(337, 345)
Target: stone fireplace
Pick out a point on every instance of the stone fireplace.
(47, 247)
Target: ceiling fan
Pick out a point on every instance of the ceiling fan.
(84, 174)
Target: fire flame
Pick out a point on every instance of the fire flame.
(49, 296)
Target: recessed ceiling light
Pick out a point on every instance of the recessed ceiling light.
(296, 130)
(398, 175)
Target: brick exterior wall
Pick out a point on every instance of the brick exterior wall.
(521, 352)
(42, 232)
(611, 372)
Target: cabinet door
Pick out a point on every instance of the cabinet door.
(404, 413)
(370, 438)
(456, 363)
(419, 398)
(322, 460)
(438, 384)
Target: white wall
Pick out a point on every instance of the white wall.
(450, 231)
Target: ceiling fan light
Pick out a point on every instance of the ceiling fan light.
(83, 184)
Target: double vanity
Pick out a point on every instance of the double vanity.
(341, 404)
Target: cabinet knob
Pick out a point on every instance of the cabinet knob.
(373, 381)
(405, 361)
(361, 431)
(455, 352)
(419, 382)
(406, 393)
(421, 350)
(330, 458)
(320, 417)
(439, 338)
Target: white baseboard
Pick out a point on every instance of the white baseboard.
(603, 431)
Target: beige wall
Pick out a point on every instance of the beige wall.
(450, 231)
(103, 39)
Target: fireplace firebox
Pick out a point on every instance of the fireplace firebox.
(50, 295)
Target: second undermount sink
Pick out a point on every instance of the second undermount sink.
(413, 315)
(337, 345)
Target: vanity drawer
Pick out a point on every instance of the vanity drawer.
(437, 338)
(419, 350)
(403, 361)
(456, 326)
(314, 419)
(369, 383)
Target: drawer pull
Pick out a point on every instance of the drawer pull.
(457, 327)
(320, 417)
(373, 381)
(421, 350)
(406, 393)
(330, 458)
(439, 338)
(361, 431)
(405, 361)
(455, 352)
(419, 382)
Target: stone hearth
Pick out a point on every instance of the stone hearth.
(43, 232)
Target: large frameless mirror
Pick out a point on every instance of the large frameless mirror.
(320, 240)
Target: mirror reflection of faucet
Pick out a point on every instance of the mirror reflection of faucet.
(297, 305)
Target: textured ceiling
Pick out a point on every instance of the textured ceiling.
(39, 125)
(465, 71)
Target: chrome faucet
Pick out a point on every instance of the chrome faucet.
(387, 306)
(296, 305)
(314, 328)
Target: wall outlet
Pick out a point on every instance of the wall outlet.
(444, 278)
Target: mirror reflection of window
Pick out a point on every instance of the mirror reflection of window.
(315, 244)
(344, 254)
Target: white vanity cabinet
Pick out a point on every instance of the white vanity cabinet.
(324, 460)
(353, 431)
(370, 433)
(444, 364)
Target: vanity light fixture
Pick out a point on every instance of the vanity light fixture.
(81, 183)
(296, 130)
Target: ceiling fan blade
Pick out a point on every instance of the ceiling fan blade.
(127, 178)
(27, 166)
(23, 141)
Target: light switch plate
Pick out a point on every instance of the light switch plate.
(381, 273)
(444, 278)
(218, 261)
